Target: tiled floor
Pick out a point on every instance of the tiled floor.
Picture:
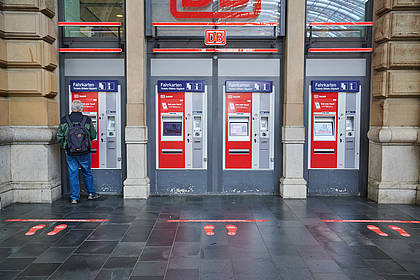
(139, 243)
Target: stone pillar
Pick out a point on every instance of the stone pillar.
(394, 146)
(29, 156)
(137, 183)
(292, 184)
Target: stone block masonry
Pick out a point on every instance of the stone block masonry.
(29, 106)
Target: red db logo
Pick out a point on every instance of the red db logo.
(215, 37)
(226, 9)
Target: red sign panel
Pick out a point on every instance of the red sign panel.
(90, 108)
(228, 9)
(171, 129)
(215, 37)
(324, 123)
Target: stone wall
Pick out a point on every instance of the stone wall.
(394, 156)
(29, 156)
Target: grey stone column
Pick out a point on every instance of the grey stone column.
(137, 183)
(292, 184)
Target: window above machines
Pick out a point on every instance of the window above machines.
(239, 18)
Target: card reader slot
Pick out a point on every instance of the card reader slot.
(239, 151)
(324, 151)
(172, 151)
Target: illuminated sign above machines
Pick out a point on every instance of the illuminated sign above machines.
(335, 86)
(94, 86)
(249, 86)
(181, 86)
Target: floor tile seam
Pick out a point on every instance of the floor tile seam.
(170, 255)
(141, 253)
(199, 254)
(307, 266)
(72, 253)
(109, 256)
(231, 264)
(332, 259)
(266, 248)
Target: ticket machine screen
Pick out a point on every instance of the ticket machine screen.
(238, 129)
(172, 128)
(324, 126)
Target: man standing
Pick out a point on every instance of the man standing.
(74, 135)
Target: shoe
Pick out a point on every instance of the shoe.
(93, 196)
(74, 201)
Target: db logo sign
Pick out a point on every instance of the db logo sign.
(232, 9)
(215, 37)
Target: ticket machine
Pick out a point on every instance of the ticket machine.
(181, 119)
(334, 124)
(101, 102)
(248, 131)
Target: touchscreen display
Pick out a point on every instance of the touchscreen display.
(238, 129)
(172, 128)
(323, 129)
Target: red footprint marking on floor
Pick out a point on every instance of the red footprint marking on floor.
(399, 230)
(57, 229)
(231, 229)
(209, 229)
(34, 229)
(377, 230)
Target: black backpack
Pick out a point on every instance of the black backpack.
(78, 140)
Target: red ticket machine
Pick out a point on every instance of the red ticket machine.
(90, 108)
(238, 152)
(334, 124)
(171, 147)
(181, 114)
(248, 125)
(324, 122)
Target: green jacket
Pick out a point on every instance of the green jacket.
(63, 129)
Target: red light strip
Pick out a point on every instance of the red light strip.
(367, 23)
(214, 24)
(58, 220)
(217, 221)
(371, 221)
(216, 50)
(89, 50)
(340, 50)
(61, 23)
